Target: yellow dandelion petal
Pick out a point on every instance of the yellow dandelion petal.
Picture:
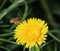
(31, 32)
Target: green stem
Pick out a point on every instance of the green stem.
(4, 25)
(7, 34)
(48, 13)
(29, 49)
(11, 38)
(54, 37)
(5, 48)
(10, 8)
(46, 43)
(12, 27)
(1, 6)
(26, 11)
(24, 48)
(19, 11)
(34, 48)
(56, 31)
(55, 49)
(1, 39)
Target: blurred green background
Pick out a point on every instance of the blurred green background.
(48, 10)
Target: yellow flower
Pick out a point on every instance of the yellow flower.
(31, 32)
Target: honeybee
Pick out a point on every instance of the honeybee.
(15, 20)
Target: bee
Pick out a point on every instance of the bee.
(15, 20)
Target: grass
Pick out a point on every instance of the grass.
(24, 10)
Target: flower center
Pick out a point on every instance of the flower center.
(33, 33)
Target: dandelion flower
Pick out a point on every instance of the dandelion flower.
(31, 32)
